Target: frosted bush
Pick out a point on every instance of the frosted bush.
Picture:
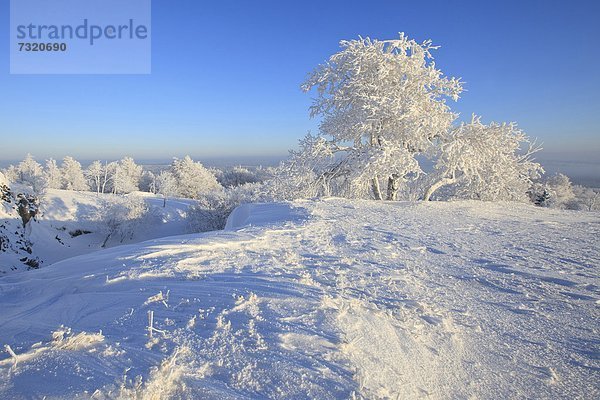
(120, 216)
(211, 211)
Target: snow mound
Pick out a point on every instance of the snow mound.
(327, 299)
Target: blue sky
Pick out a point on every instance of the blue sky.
(225, 77)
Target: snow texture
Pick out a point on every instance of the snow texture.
(319, 299)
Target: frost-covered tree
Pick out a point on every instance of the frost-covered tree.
(486, 161)
(193, 178)
(382, 103)
(101, 176)
(27, 172)
(31, 173)
(148, 182)
(11, 173)
(29, 169)
(110, 169)
(72, 175)
(127, 176)
(166, 185)
(539, 194)
(94, 173)
(52, 174)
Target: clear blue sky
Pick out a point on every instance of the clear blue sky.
(225, 76)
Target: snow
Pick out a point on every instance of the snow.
(320, 299)
(262, 214)
(63, 212)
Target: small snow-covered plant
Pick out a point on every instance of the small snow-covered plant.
(120, 216)
(4, 182)
(539, 194)
(382, 103)
(486, 162)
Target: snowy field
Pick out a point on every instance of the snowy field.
(325, 299)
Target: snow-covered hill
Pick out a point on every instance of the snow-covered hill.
(67, 225)
(326, 299)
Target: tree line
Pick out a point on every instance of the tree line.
(183, 178)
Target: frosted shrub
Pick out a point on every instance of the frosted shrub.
(238, 176)
(211, 211)
(120, 216)
(560, 191)
(557, 191)
(587, 199)
(193, 179)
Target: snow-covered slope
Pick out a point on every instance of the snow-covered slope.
(68, 226)
(327, 299)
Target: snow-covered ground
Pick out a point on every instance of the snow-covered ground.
(324, 299)
(68, 226)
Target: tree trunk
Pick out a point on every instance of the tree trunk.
(376, 188)
(436, 186)
(393, 187)
(106, 240)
